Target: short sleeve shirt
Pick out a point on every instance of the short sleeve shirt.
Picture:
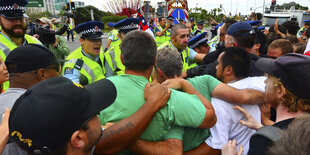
(182, 109)
(193, 137)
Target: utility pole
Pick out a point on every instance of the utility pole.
(92, 14)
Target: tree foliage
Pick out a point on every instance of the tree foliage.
(83, 14)
(201, 14)
(290, 4)
(34, 16)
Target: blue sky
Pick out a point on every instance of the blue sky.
(242, 6)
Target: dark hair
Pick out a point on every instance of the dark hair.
(292, 39)
(291, 26)
(300, 48)
(261, 39)
(228, 23)
(281, 28)
(138, 50)
(239, 59)
(245, 41)
(169, 61)
(272, 36)
(160, 19)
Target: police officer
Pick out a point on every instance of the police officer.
(194, 27)
(304, 28)
(86, 64)
(199, 28)
(179, 40)
(113, 63)
(161, 31)
(199, 43)
(13, 28)
(70, 32)
(113, 39)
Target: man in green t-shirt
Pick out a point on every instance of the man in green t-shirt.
(191, 109)
(169, 71)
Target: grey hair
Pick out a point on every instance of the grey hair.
(169, 61)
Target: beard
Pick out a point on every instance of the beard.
(12, 33)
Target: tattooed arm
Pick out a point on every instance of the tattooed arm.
(125, 132)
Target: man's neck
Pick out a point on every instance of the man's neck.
(231, 79)
(173, 43)
(283, 113)
(145, 74)
(17, 41)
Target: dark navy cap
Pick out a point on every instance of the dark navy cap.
(246, 28)
(192, 19)
(201, 38)
(170, 18)
(110, 24)
(13, 8)
(292, 69)
(90, 30)
(200, 22)
(307, 22)
(181, 19)
(127, 24)
(254, 23)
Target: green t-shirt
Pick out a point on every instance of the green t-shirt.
(182, 109)
(193, 137)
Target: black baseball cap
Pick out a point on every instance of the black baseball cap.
(44, 118)
(30, 57)
(292, 69)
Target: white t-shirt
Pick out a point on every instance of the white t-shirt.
(227, 126)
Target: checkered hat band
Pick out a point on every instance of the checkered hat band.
(11, 8)
(128, 27)
(90, 31)
(198, 42)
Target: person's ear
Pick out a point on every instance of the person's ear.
(228, 70)
(280, 91)
(42, 74)
(122, 60)
(82, 41)
(78, 139)
(172, 38)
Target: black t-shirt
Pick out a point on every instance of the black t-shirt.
(259, 145)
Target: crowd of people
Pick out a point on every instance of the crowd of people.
(167, 91)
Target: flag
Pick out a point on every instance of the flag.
(142, 23)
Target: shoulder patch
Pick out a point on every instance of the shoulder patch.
(68, 71)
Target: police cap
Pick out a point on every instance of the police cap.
(13, 8)
(90, 30)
